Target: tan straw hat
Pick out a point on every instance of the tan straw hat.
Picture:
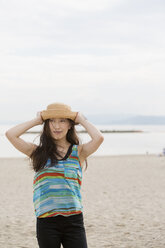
(58, 110)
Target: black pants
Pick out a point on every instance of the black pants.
(68, 231)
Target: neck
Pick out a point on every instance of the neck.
(62, 143)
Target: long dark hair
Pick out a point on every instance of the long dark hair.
(47, 147)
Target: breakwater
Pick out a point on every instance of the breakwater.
(102, 131)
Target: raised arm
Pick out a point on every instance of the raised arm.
(14, 133)
(87, 149)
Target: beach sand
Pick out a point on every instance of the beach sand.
(123, 199)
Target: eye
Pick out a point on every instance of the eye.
(63, 120)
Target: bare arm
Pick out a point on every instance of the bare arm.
(97, 138)
(13, 135)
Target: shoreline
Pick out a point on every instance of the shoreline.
(98, 156)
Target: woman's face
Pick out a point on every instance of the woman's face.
(59, 127)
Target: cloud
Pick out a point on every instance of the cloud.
(96, 55)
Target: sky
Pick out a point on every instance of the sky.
(98, 56)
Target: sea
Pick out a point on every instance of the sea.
(150, 140)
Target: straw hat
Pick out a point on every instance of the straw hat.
(58, 110)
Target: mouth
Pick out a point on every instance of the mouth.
(57, 132)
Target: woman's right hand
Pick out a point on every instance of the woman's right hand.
(14, 133)
(39, 117)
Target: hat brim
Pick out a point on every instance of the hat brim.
(48, 114)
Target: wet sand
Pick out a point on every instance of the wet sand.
(123, 199)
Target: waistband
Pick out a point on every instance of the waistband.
(61, 217)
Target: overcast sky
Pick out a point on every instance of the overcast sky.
(99, 56)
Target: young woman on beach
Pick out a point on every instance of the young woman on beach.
(58, 161)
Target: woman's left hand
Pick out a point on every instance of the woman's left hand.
(79, 118)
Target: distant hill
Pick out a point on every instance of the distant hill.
(113, 119)
(145, 120)
(127, 119)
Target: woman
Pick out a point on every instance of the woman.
(58, 161)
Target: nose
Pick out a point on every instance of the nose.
(55, 124)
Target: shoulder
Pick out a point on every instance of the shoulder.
(79, 149)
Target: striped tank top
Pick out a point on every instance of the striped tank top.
(56, 189)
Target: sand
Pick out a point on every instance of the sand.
(123, 199)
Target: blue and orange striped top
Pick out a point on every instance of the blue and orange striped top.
(56, 189)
